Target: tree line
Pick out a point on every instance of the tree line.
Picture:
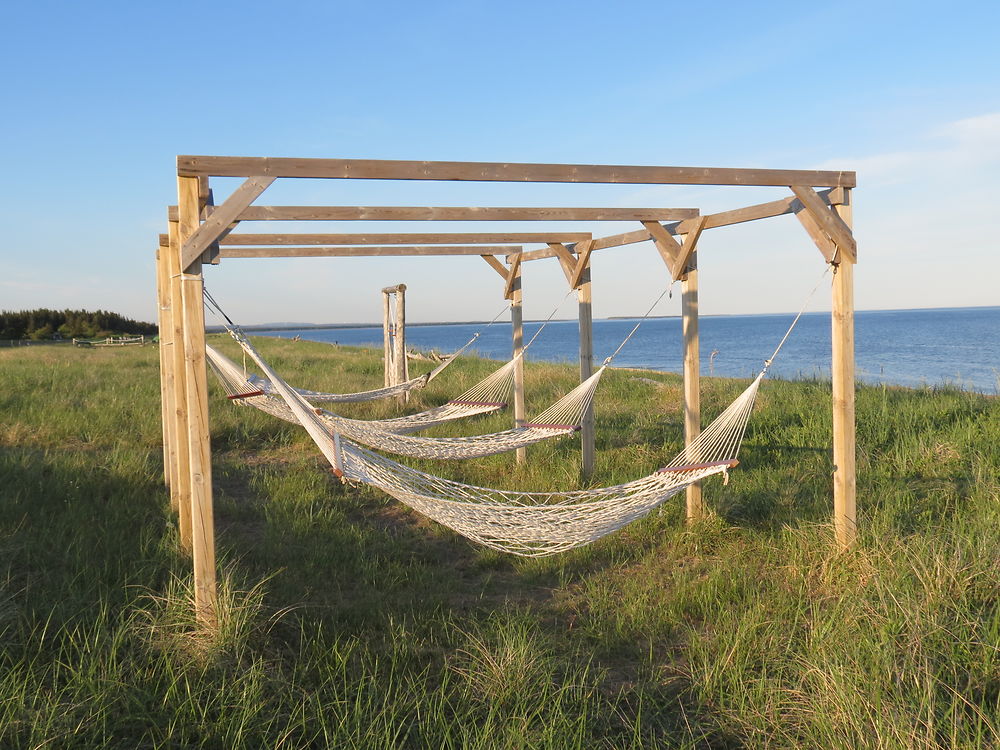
(45, 324)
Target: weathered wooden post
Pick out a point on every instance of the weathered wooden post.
(517, 346)
(401, 362)
(586, 316)
(165, 327)
(387, 368)
(394, 337)
(180, 488)
(200, 458)
(692, 377)
(843, 373)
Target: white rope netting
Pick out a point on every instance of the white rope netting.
(560, 419)
(530, 524)
(490, 394)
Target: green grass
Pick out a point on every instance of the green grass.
(350, 621)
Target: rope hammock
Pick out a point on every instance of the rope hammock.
(529, 524)
(562, 418)
(532, 524)
(377, 393)
(489, 395)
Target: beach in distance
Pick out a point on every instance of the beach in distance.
(928, 347)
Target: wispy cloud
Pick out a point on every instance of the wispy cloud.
(942, 152)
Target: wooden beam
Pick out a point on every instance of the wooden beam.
(222, 218)
(437, 238)
(513, 275)
(829, 221)
(496, 265)
(377, 169)
(843, 375)
(712, 221)
(367, 251)
(688, 248)
(458, 213)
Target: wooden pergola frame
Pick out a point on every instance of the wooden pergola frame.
(200, 233)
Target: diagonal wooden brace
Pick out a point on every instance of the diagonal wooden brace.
(583, 251)
(680, 266)
(566, 259)
(666, 244)
(496, 265)
(221, 219)
(826, 246)
(675, 254)
(828, 221)
(512, 276)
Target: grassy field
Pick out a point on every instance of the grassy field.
(352, 622)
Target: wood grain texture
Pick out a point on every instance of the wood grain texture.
(665, 243)
(513, 276)
(767, 210)
(695, 504)
(202, 512)
(688, 247)
(583, 249)
(517, 346)
(365, 251)
(843, 375)
(827, 247)
(164, 324)
(567, 261)
(496, 265)
(436, 238)
(588, 449)
(828, 220)
(222, 218)
(180, 489)
(380, 169)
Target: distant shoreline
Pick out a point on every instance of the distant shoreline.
(349, 326)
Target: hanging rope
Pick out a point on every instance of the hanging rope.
(769, 360)
(371, 395)
(667, 291)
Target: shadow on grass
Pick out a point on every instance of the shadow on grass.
(79, 530)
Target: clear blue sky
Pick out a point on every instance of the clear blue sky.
(100, 97)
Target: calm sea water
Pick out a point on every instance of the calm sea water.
(949, 346)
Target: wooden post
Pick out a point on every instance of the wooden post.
(165, 328)
(180, 487)
(387, 367)
(193, 316)
(844, 478)
(399, 355)
(584, 299)
(692, 378)
(517, 345)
